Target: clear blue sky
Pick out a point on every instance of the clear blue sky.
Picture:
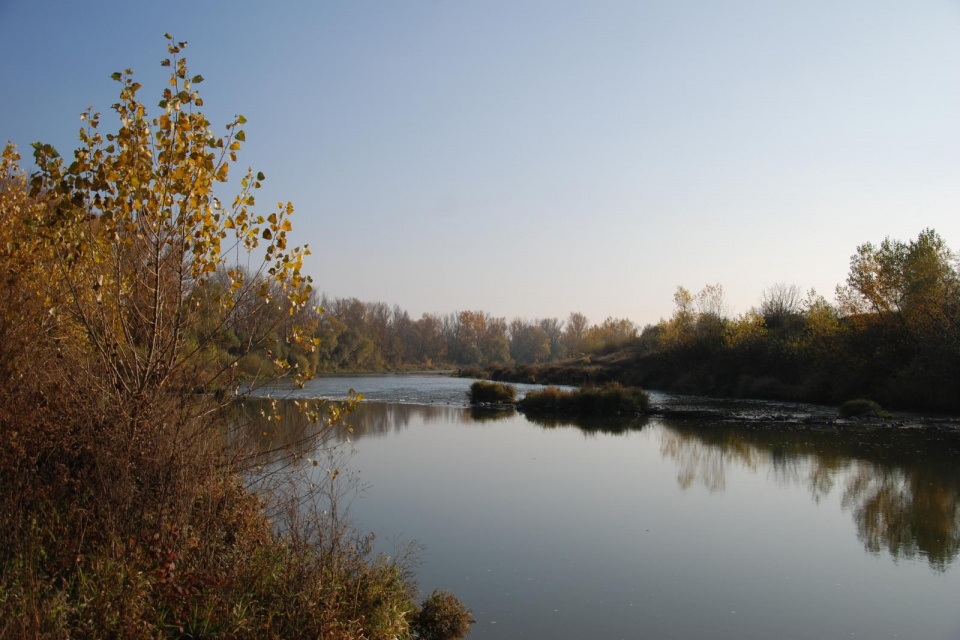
(536, 158)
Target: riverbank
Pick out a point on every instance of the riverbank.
(714, 377)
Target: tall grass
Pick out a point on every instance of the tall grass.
(102, 536)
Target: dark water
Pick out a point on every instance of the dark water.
(652, 528)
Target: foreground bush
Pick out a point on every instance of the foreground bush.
(225, 572)
(492, 392)
(124, 503)
(862, 407)
(608, 400)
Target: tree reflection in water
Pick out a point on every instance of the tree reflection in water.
(593, 426)
(908, 512)
(902, 487)
(273, 439)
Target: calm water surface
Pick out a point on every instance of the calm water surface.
(651, 528)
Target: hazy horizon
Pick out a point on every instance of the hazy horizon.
(537, 158)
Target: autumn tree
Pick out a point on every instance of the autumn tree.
(905, 298)
(529, 342)
(429, 342)
(477, 338)
(129, 276)
(137, 233)
(678, 330)
(611, 334)
(575, 333)
(130, 294)
(908, 284)
(553, 327)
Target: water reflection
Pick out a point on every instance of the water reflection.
(902, 487)
(905, 511)
(379, 419)
(278, 430)
(594, 426)
(257, 427)
(484, 414)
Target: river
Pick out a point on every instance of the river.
(655, 527)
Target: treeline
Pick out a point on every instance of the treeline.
(892, 335)
(350, 335)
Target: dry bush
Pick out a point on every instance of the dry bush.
(125, 502)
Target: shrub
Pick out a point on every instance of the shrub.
(862, 407)
(493, 392)
(442, 617)
(610, 399)
(126, 507)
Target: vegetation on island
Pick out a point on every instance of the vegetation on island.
(126, 327)
(860, 407)
(610, 399)
(483, 392)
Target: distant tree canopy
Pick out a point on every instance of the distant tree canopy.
(894, 334)
(357, 335)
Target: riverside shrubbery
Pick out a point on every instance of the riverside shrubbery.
(125, 510)
(609, 400)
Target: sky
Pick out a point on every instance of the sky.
(533, 158)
